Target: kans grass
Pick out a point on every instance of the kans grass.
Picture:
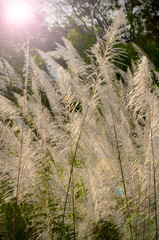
(79, 145)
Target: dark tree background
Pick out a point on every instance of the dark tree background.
(80, 21)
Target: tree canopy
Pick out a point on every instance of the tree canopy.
(81, 22)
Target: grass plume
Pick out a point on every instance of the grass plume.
(84, 141)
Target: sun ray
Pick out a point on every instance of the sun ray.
(18, 12)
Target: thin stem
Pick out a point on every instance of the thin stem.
(144, 224)
(21, 141)
(119, 160)
(73, 204)
(74, 157)
(153, 167)
(72, 165)
(149, 196)
(154, 181)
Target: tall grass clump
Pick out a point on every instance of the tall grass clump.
(79, 145)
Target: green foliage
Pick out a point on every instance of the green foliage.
(143, 227)
(81, 40)
(22, 232)
(39, 61)
(151, 48)
(15, 56)
(44, 100)
(106, 230)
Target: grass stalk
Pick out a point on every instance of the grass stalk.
(21, 141)
(72, 164)
(83, 126)
(149, 206)
(120, 162)
(144, 223)
(153, 168)
(73, 205)
(154, 180)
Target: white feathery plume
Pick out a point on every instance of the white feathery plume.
(142, 82)
(144, 103)
(72, 58)
(7, 109)
(51, 65)
(141, 54)
(9, 75)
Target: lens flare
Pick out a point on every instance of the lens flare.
(18, 12)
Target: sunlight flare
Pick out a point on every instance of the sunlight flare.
(18, 12)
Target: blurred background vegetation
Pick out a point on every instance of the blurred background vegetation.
(81, 22)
